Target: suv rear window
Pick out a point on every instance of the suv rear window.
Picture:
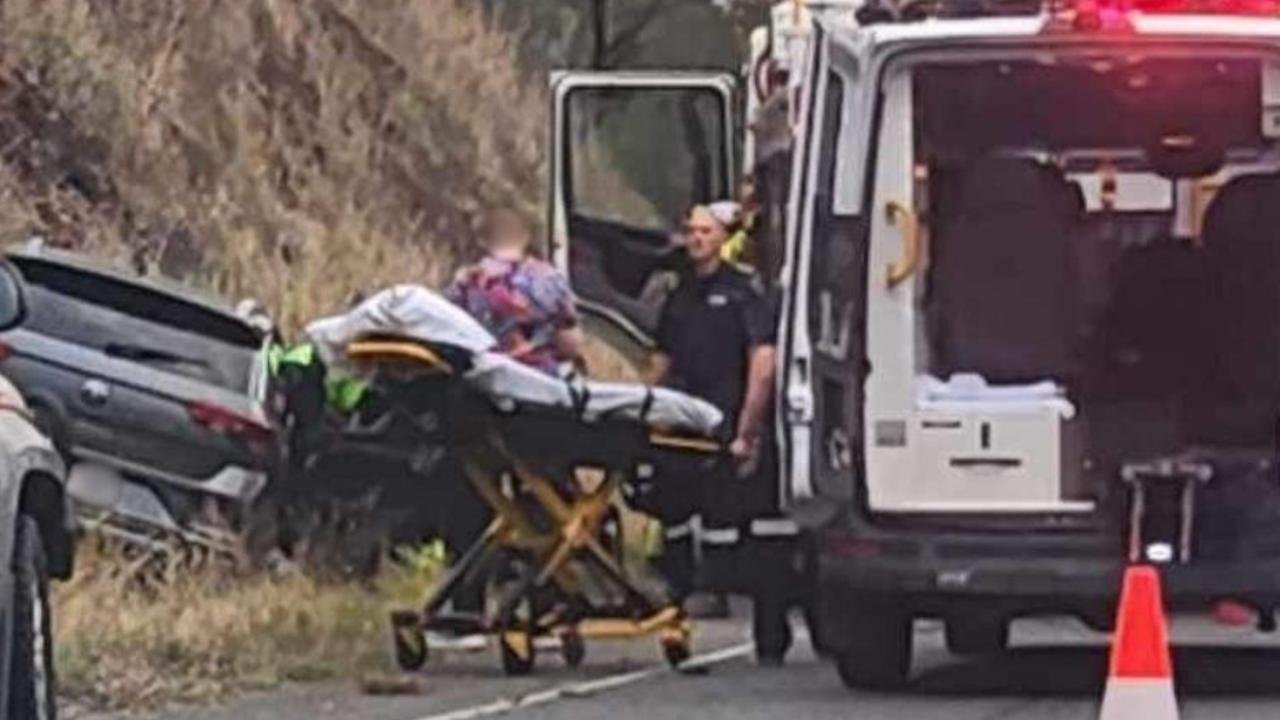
(134, 322)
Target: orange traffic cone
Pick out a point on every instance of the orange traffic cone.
(1140, 685)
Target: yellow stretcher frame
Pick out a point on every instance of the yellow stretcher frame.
(568, 555)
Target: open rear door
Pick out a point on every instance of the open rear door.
(795, 377)
(632, 152)
(823, 364)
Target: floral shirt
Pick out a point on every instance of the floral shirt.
(524, 303)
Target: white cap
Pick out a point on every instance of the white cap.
(726, 212)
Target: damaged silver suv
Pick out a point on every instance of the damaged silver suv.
(155, 396)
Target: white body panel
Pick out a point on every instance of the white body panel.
(1027, 466)
(891, 318)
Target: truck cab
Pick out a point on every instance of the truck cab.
(1031, 322)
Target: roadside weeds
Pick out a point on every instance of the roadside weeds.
(132, 635)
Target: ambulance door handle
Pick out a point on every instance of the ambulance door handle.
(997, 463)
(799, 402)
(912, 254)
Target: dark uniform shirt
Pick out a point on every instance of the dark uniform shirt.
(708, 327)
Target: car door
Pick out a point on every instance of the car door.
(632, 152)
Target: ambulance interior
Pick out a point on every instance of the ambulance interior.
(1108, 226)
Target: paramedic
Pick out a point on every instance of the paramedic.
(716, 341)
(524, 302)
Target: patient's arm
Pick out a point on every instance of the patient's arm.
(659, 370)
(569, 345)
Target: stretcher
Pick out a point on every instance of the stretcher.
(550, 457)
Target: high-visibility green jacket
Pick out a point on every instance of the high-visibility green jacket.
(342, 392)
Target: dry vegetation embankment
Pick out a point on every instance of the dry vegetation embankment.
(295, 151)
(135, 633)
(291, 150)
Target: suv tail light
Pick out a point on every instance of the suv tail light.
(228, 422)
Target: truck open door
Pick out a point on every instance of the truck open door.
(822, 351)
(632, 151)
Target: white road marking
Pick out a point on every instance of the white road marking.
(590, 687)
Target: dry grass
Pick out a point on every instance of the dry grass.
(293, 150)
(198, 634)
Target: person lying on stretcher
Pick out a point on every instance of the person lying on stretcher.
(418, 315)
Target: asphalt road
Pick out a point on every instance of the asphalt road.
(1055, 672)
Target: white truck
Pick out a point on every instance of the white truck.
(1030, 257)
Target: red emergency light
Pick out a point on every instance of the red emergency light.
(1250, 8)
(1072, 16)
(1113, 15)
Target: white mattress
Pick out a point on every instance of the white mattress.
(416, 313)
(969, 392)
(505, 379)
(409, 311)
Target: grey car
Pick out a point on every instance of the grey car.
(155, 396)
(36, 540)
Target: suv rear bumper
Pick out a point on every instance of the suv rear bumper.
(232, 482)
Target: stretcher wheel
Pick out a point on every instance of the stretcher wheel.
(676, 650)
(573, 649)
(517, 653)
(411, 649)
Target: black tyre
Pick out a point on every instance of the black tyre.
(410, 646)
(879, 655)
(677, 650)
(31, 676)
(573, 649)
(977, 635)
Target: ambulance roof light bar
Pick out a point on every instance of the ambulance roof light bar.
(1248, 8)
(1259, 8)
(1114, 15)
(1068, 16)
(1065, 15)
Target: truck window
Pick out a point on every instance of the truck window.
(640, 158)
(635, 159)
(136, 323)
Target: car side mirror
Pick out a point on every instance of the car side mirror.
(13, 305)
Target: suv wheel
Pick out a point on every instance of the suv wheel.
(31, 678)
(977, 635)
(878, 656)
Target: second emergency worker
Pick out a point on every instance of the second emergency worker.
(716, 341)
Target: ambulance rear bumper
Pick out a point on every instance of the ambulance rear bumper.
(943, 574)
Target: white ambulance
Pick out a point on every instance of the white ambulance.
(1030, 257)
